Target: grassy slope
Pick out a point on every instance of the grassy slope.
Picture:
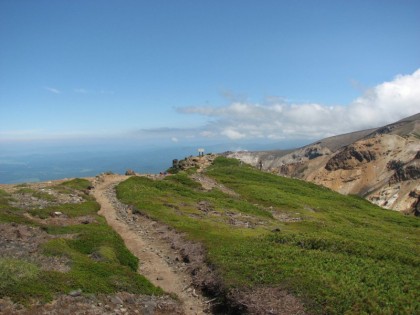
(114, 269)
(345, 256)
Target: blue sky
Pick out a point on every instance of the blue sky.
(191, 71)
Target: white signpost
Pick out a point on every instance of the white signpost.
(200, 152)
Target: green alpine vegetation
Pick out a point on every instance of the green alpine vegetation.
(338, 254)
(96, 257)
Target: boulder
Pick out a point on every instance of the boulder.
(130, 172)
(75, 293)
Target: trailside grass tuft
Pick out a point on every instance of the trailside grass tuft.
(13, 271)
(342, 256)
(77, 184)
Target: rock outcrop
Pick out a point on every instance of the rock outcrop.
(349, 158)
(416, 204)
(199, 162)
(406, 172)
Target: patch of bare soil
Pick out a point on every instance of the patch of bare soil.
(39, 195)
(208, 184)
(28, 201)
(62, 220)
(77, 304)
(233, 218)
(285, 217)
(10, 188)
(267, 301)
(25, 242)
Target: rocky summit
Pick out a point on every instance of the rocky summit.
(380, 164)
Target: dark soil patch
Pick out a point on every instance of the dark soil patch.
(120, 303)
(62, 220)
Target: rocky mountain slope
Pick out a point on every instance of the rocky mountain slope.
(380, 164)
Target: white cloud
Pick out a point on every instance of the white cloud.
(232, 134)
(388, 101)
(52, 90)
(383, 104)
(106, 92)
(81, 91)
(17, 133)
(174, 139)
(42, 134)
(86, 91)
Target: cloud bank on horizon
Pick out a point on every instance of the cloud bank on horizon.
(272, 120)
(277, 120)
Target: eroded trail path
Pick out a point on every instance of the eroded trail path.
(158, 262)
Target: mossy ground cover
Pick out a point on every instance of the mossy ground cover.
(99, 260)
(9, 214)
(346, 256)
(72, 210)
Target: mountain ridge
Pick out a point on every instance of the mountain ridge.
(380, 164)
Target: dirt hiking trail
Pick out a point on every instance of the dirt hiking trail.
(158, 261)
